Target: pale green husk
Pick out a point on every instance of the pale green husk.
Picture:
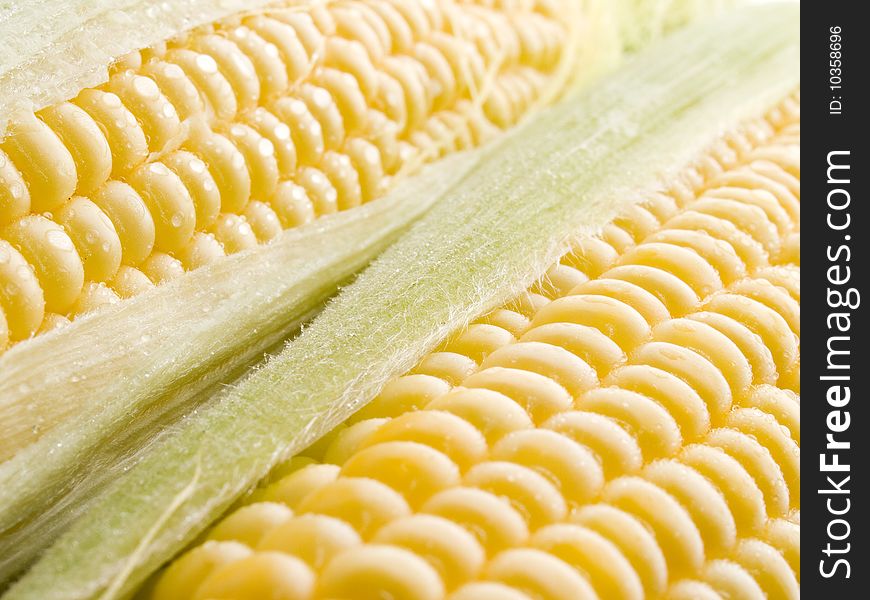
(566, 172)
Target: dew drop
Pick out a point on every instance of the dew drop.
(111, 100)
(206, 64)
(158, 169)
(145, 87)
(371, 155)
(322, 98)
(58, 239)
(173, 72)
(265, 147)
(282, 131)
(197, 166)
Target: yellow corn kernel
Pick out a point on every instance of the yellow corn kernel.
(129, 214)
(184, 576)
(160, 267)
(130, 281)
(50, 251)
(123, 132)
(629, 438)
(14, 195)
(93, 296)
(94, 236)
(156, 114)
(248, 525)
(20, 293)
(202, 249)
(4, 330)
(84, 140)
(45, 163)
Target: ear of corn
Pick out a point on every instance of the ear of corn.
(221, 138)
(554, 176)
(208, 145)
(628, 427)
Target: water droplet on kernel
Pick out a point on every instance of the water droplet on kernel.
(282, 131)
(59, 240)
(111, 100)
(206, 64)
(145, 87)
(265, 147)
(196, 165)
(158, 169)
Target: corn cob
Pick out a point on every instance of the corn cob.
(217, 140)
(399, 86)
(603, 435)
(467, 254)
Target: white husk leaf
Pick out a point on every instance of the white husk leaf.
(50, 50)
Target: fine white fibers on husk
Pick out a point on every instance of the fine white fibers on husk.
(568, 171)
(50, 50)
(121, 373)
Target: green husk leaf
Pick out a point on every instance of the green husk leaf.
(117, 376)
(566, 172)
